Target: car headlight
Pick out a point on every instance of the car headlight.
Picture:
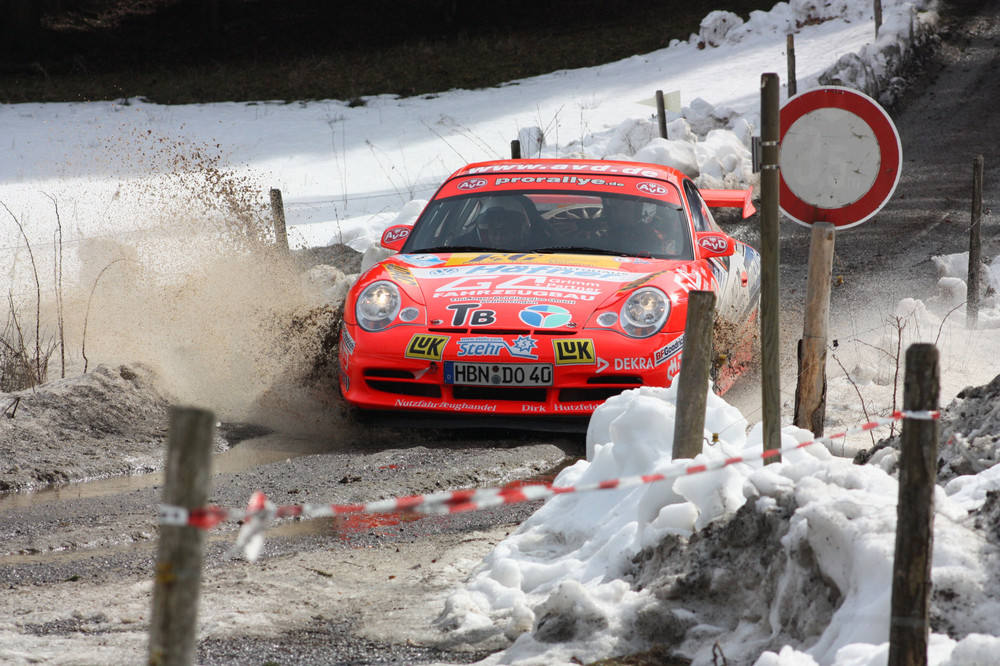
(378, 305)
(645, 312)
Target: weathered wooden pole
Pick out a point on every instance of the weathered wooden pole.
(179, 557)
(661, 114)
(790, 50)
(515, 149)
(696, 365)
(975, 244)
(769, 293)
(878, 16)
(810, 392)
(278, 215)
(911, 575)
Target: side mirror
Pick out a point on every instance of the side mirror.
(394, 237)
(713, 244)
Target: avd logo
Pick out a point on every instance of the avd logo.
(713, 243)
(394, 234)
(651, 188)
(545, 316)
(472, 184)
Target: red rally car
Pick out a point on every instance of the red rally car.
(538, 289)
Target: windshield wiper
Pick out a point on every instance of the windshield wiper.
(576, 249)
(451, 248)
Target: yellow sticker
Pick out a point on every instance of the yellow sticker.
(401, 274)
(574, 352)
(430, 347)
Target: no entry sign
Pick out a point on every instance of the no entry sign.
(840, 157)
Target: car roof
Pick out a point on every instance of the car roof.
(596, 177)
(572, 167)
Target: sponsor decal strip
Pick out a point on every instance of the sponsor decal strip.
(260, 511)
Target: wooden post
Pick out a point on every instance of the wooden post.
(769, 292)
(278, 214)
(179, 558)
(661, 114)
(911, 575)
(975, 244)
(790, 50)
(515, 149)
(878, 16)
(810, 393)
(692, 386)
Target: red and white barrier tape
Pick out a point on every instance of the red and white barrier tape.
(260, 511)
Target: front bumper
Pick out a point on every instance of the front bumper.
(404, 369)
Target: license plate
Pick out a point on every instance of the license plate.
(498, 374)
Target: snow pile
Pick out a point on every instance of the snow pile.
(789, 563)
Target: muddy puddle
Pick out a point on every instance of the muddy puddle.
(244, 455)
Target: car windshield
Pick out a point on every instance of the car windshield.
(555, 221)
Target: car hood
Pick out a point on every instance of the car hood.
(534, 290)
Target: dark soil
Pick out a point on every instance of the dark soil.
(188, 51)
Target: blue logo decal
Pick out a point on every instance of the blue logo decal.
(545, 316)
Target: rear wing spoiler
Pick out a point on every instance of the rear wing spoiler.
(730, 199)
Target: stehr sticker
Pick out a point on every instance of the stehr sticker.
(523, 346)
(401, 274)
(574, 352)
(430, 347)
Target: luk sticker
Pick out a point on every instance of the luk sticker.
(428, 347)
(574, 352)
(523, 346)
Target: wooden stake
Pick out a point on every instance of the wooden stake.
(179, 557)
(661, 114)
(696, 363)
(790, 50)
(911, 575)
(975, 245)
(810, 393)
(769, 290)
(278, 214)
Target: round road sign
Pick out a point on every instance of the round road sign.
(840, 157)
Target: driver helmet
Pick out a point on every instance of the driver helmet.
(501, 227)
